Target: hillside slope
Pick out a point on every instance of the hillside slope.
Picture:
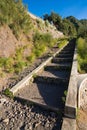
(23, 38)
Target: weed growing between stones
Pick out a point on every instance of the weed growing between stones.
(8, 93)
(64, 97)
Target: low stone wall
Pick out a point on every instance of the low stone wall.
(71, 99)
(82, 91)
(69, 123)
(27, 79)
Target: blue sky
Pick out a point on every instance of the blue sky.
(77, 8)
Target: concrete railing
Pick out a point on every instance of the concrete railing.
(71, 99)
(28, 78)
(69, 123)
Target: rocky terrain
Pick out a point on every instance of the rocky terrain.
(17, 116)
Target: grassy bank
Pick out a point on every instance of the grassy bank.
(16, 63)
(82, 55)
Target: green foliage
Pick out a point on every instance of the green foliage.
(8, 93)
(54, 18)
(19, 53)
(6, 64)
(40, 24)
(40, 39)
(31, 58)
(15, 15)
(82, 55)
(47, 23)
(64, 97)
(62, 43)
(42, 42)
(19, 66)
(70, 26)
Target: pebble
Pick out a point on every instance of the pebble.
(6, 121)
(16, 115)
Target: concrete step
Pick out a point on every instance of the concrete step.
(58, 67)
(68, 48)
(64, 55)
(56, 60)
(62, 63)
(55, 74)
(46, 95)
(50, 80)
(66, 52)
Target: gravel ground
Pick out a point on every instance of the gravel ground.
(15, 116)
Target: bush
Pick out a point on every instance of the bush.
(8, 93)
(62, 43)
(47, 23)
(82, 55)
(19, 53)
(31, 58)
(42, 42)
(19, 66)
(82, 47)
(7, 64)
(64, 97)
(40, 23)
(45, 39)
(39, 49)
(13, 13)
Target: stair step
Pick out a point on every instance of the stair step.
(51, 80)
(56, 60)
(55, 74)
(64, 55)
(45, 94)
(68, 48)
(58, 67)
(66, 52)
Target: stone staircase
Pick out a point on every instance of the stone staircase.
(48, 85)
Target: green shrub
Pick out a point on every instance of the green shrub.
(13, 13)
(7, 64)
(40, 23)
(19, 66)
(31, 58)
(43, 40)
(64, 97)
(2, 74)
(47, 23)
(8, 93)
(39, 49)
(62, 43)
(19, 53)
(82, 55)
(82, 46)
